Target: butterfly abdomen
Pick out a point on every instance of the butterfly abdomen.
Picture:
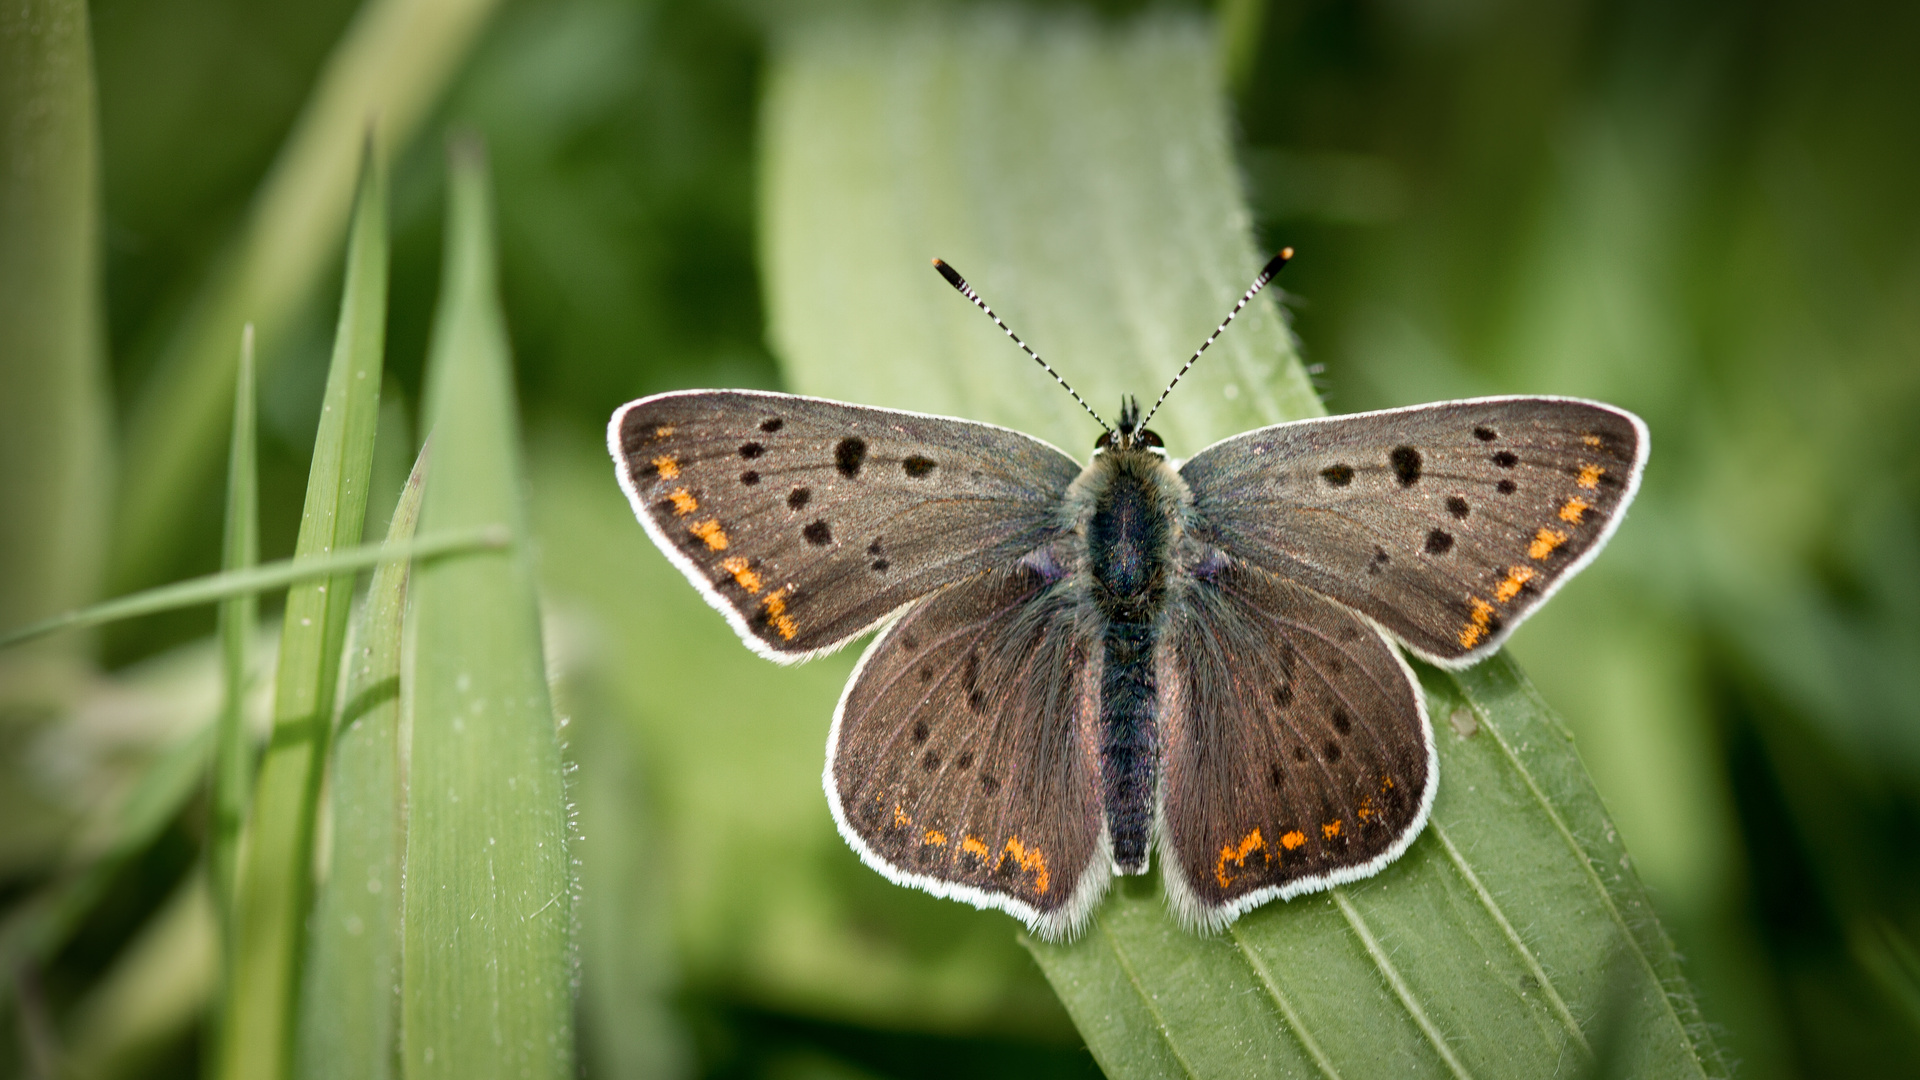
(1130, 528)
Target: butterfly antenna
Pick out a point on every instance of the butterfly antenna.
(1266, 274)
(954, 279)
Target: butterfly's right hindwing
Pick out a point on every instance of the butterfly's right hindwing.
(1296, 749)
(963, 757)
(809, 521)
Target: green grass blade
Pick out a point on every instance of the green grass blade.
(349, 1011)
(1080, 176)
(488, 963)
(389, 69)
(264, 578)
(239, 620)
(257, 1021)
(54, 416)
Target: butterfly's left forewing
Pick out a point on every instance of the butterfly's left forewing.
(807, 522)
(962, 759)
(1296, 752)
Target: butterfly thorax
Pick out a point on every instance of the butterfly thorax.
(1130, 504)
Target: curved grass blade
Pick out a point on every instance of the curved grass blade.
(487, 957)
(349, 1013)
(265, 578)
(238, 623)
(1080, 176)
(388, 69)
(256, 1026)
(57, 480)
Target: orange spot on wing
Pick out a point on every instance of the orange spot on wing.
(1030, 860)
(973, 845)
(1330, 830)
(1476, 627)
(900, 817)
(1574, 510)
(683, 502)
(1366, 809)
(666, 466)
(1292, 840)
(1590, 476)
(776, 608)
(663, 431)
(934, 837)
(1237, 855)
(711, 532)
(1517, 576)
(1386, 783)
(1544, 542)
(743, 575)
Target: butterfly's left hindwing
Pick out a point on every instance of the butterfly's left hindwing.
(807, 522)
(1296, 752)
(962, 759)
(1448, 524)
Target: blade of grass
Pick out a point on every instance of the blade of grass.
(349, 1012)
(388, 69)
(265, 578)
(239, 620)
(256, 1029)
(1080, 176)
(53, 406)
(488, 962)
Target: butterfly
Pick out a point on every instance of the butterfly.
(1081, 665)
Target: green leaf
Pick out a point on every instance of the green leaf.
(238, 625)
(488, 961)
(1080, 176)
(349, 1015)
(256, 1027)
(388, 70)
(54, 415)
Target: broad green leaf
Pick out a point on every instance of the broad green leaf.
(238, 624)
(487, 958)
(387, 70)
(349, 1011)
(256, 1025)
(55, 466)
(1080, 176)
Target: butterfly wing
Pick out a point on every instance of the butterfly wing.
(962, 758)
(1448, 523)
(1296, 751)
(806, 522)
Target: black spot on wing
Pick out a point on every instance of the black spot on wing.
(1439, 542)
(1506, 487)
(818, 533)
(1332, 750)
(750, 477)
(920, 731)
(1457, 506)
(1337, 475)
(1406, 465)
(848, 455)
(1342, 722)
(751, 450)
(1506, 459)
(798, 497)
(917, 466)
(1485, 433)
(772, 424)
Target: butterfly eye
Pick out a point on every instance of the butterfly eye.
(1147, 438)
(1105, 441)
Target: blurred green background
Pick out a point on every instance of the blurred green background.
(1702, 210)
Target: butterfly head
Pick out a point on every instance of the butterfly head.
(1129, 435)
